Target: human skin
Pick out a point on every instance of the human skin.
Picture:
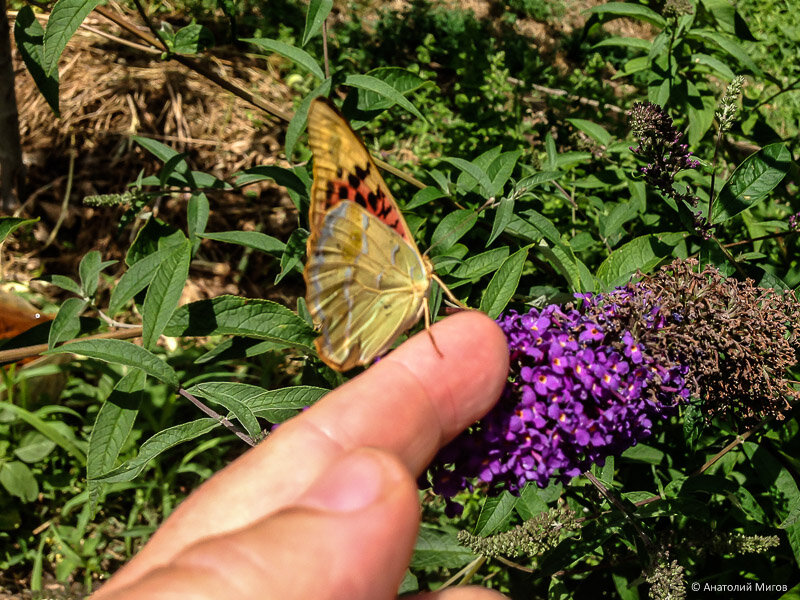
(327, 506)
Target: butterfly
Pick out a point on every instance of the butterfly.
(366, 281)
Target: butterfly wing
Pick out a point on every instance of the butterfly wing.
(344, 170)
(365, 285)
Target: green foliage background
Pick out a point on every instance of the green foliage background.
(530, 196)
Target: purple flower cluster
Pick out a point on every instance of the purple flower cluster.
(577, 393)
(793, 222)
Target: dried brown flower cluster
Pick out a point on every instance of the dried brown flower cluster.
(736, 338)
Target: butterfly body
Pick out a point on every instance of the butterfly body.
(366, 281)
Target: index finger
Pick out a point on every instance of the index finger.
(410, 403)
(415, 400)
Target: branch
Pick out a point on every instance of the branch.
(28, 351)
(215, 415)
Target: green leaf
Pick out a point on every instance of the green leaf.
(197, 218)
(593, 130)
(402, 80)
(715, 64)
(621, 213)
(163, 152)
(643, 253)
(564, 261)
(658, 90)
(633, 11)
(437, 549)
(293, 254)
(66, 325)
(9, 224)
(124, 353)
(532, 181)
(65, 283)
(135, 279)
(731, 47)
(502, 218)
(157, 444)
(280, 175)
(192, 39)
(29, 37)
(250, 239)
(503, 284)
(474, 171)
(383, 88)
(153, 237)
(114, 423)
(543, 225)
(409, 584)
(164, 293)
(272, 405)
(729, 19)
(519, 227)
(425, 195)
(318, 11)
(47, 429)
(293, 53)
(236, 348)
(701, 109)
(752, 180)
(298, 122)
(233, 315)
(625, 42)
(34, 447)
(792, 517)
(452, 228)
(793, 536)
(495, 514)
(65, 18)
(644, 453)
(481, 264)
(18, 480)
(240, 410)
(89, 271)
(633, 66)
(500, 171)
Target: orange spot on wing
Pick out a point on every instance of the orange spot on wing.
(374, 202)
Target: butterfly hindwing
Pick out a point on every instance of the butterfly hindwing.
(365, 285)
(344, 170)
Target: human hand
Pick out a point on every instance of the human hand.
(327, 506)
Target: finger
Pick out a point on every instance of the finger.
(462, 593)
(416, 399)
(349, 536)
(410, 403)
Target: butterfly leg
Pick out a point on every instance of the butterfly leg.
(448, 293)
(427, 312)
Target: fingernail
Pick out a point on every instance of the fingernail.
(352, 483)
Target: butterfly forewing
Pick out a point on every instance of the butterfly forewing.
(365, 285)
(343, 170)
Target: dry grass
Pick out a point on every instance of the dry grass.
(109, 93)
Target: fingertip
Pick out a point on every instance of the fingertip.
(467, 373)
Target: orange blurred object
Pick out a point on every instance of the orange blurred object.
(17, 315)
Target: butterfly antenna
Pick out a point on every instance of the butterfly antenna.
(448, 293)
(427, 312)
